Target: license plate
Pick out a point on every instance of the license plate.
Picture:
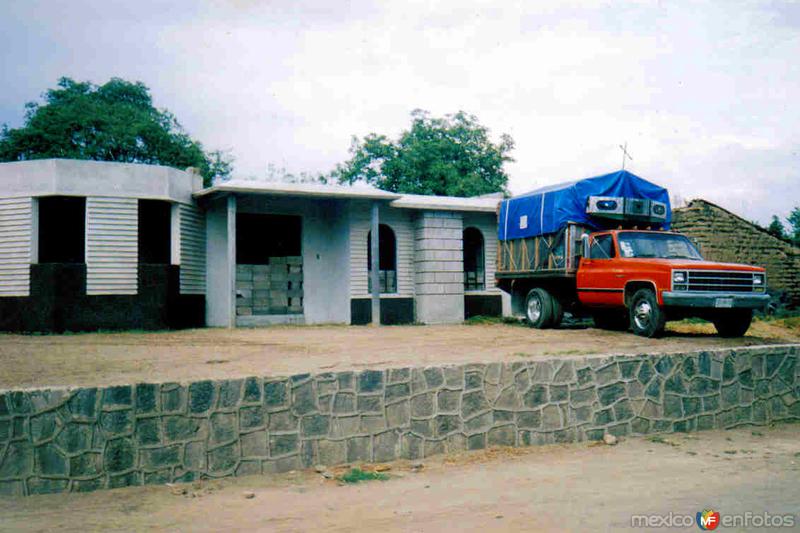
(723, 302)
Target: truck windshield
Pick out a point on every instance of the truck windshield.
(658, 245)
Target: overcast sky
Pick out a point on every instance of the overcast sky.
(707, 95)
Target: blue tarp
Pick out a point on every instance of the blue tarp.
(549, 209)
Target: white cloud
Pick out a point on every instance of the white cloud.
(703, 93)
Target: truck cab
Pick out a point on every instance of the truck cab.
(640, 279)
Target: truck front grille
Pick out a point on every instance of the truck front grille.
(714, 280)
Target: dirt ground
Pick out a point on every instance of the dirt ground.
(587, 487)
(112, 358)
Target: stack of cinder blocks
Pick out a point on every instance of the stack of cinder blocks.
(276, 288)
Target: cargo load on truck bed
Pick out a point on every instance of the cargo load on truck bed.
(539, 232)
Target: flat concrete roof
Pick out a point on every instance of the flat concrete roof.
(447, 203)
(319, 190)
(73, 177)
(365, 192)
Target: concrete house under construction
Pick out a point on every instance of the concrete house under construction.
(87, 245)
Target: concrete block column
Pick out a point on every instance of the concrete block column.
(439, 267)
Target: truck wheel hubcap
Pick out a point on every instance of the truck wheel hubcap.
(642, 313)
(534, 309)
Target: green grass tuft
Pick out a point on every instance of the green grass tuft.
(356, 475)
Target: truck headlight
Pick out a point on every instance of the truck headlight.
(758, 282)
(679, 277)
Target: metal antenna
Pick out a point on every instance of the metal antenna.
(625, 154)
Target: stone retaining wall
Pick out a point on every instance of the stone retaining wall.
(91, 438)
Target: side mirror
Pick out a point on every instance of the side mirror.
(585, 248)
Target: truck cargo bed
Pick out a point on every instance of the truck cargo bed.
(551, 255)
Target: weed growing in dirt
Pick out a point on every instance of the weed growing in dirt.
(356, 475)
(489, 320)
(658, 439)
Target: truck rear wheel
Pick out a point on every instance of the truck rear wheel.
(558, 312)
(734, 323)
(647, 319)
(539, 308)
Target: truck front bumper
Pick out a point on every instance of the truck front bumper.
(715, 300)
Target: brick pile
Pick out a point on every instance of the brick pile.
(273, 289)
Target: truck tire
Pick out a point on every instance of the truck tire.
(558, 312)
(539, 308)
(647, 319)
(734, 323)
(611, 320)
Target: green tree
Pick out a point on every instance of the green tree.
(776, 228)
(450, 156)
(794, 225)
(115, 121)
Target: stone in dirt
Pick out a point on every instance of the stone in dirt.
(319, 469)
(176, 490)
(609, 439)
(249, 495)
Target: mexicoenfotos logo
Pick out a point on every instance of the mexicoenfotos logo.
(707, 519)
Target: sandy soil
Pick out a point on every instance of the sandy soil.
(586, 487)
(110, 358)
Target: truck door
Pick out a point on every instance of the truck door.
(599, 279)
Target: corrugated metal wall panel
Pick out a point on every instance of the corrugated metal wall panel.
(193, 250)
(16, 223)
(112, 248)
(400, 220)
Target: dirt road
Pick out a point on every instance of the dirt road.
(110, 358)
(570, 487)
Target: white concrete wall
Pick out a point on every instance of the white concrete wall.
(439, 265)
(16, 242)
(486, 223)
(325, 250)
(326, 262)
(112, 245)
(191, 233)
(402, 223)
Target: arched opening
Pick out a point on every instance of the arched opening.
(387, 259)
(474, 263)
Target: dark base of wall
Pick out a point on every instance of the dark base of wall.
(482, 305)
(393, 311)
(58, 303)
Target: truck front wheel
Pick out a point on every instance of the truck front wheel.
(734, 323)
(539, 308)
(646, 316)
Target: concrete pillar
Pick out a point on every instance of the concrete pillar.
(221, 263)
(232, 259)
(439, 268)
(375, 249)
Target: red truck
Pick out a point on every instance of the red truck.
(607, 256)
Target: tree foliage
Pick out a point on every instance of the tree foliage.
(776, 228)
(450, 156)
(115, 121)
(794, 225)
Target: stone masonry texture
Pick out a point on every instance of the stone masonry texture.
(59, 440)
(723, 236)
